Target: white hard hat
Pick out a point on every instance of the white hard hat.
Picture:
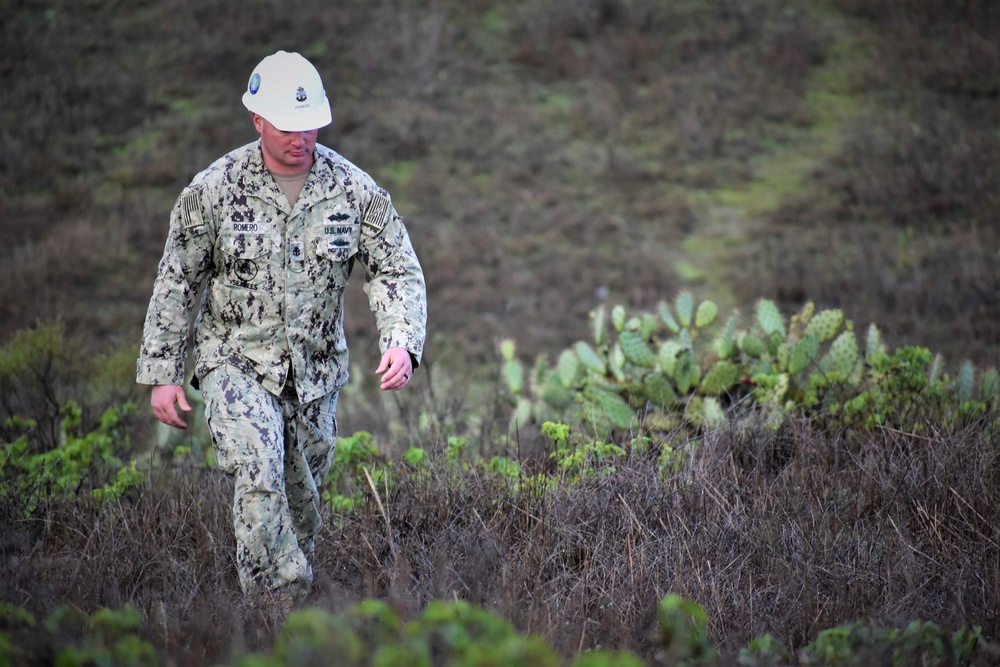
(286, 90)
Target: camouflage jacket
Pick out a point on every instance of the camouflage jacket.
(271, 278)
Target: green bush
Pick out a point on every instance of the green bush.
(81, 463)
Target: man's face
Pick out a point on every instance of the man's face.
(285, 152)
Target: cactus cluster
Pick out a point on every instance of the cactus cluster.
(642, 368)
(682, 365)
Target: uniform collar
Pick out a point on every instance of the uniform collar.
(321, 183)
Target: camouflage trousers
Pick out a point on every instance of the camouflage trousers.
(278, 451)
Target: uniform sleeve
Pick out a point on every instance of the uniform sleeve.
(186, 260)
(394, 281)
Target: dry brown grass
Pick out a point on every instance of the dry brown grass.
(787, 532)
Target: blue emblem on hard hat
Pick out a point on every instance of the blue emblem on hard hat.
(300, 94)
(254, 83)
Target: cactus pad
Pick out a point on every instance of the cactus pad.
(590, 359)
(616, 361)
(647, 326)
(597, 324)
(722, 376)
(725, 344)
(668, 356)
(873, 343)
(684, 303)
(842, 356)
(769, 318)
(508, 348)
(991, 385)
(803, 353)
(618, 316)
(568, 368)
(935, 373)
(706, 314)
(659, 390)
(824, 325)
(611, 406)
(636, 350)
(686, 373)
(712, 412)
(753, 347)
(521, 415)
(513, 376)
(966, 377)
(555, 392)
(668, 318)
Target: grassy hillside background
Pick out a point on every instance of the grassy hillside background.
(548, 157)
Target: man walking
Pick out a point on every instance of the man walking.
(262, 243)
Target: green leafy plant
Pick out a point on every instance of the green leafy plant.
(683, 632)
(81, 463)
(918, 643)
(347, 482)
(108, 637)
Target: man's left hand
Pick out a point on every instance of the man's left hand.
(395, 369)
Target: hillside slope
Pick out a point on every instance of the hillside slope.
(547, 156)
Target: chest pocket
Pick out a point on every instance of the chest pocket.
(245, 255)
(334, 245)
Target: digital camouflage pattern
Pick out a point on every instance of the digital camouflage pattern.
(279, 451)
(276, 275)
(270, 350)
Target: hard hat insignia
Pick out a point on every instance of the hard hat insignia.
(300, 94)
(254, 83)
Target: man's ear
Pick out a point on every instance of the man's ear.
(258, 122)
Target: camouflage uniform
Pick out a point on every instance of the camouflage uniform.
(270, 351)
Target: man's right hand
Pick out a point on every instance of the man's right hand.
(163, 400)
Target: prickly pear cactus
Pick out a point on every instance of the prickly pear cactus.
(990, 389)
(842, 357)
(569, 368)
(618, 315)
(668, 318)
(873, 344)
(706, 314)
(684, 303)
(590, 359)
(824, 325)
(720, 379)
(668, 355)
(966, 378)
(659, 390)
(513, 370)
(636, 350)
(769, 318)
(803, 354)
(600, 405)
(725, 344)
(753, 346)
(664, 367)
(598, 318)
